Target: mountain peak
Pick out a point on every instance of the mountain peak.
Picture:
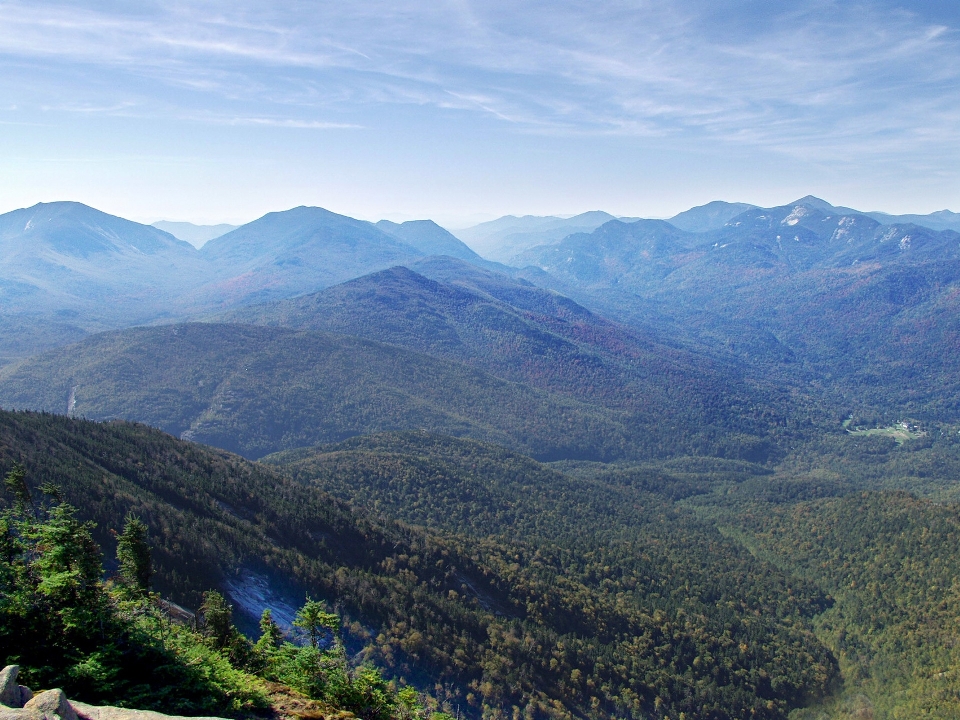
(711, 216)
(428, 237)
(62, 205)
(591, 216)
(815, 203)
(72, 228)
(812, 201)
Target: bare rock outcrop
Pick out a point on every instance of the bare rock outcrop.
(8, 713)
(106, 712)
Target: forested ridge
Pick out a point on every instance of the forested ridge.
(534, 336)
(834, 516)
(255, 390)
(495, 625)
(111, 640)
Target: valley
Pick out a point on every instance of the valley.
(582, 467)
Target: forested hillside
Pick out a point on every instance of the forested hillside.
(883, 559)
(256, 390)
(890, 562)
(525, 334)
(738, 594)
(543, 627)
(108, 639)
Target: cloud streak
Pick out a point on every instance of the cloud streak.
(819, 76)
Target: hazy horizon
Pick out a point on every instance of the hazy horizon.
(212, 112)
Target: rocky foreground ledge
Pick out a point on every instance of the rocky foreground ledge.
(18, 702)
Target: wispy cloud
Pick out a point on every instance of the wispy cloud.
(808, 79)
(282, 123)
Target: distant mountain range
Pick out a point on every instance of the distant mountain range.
(838, 295)
(69, 269)
(506, 239)
(61, 260)
(745, 299)
(196, 235)
(940, 220)
(794, 237)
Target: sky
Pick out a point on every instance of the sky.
(461, 111)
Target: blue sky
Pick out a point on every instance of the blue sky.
(221, 111)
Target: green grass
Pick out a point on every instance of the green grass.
(901, 432)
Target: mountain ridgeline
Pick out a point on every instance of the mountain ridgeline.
(69, 270)
(256, 390)
(801, 292)
(586, 467)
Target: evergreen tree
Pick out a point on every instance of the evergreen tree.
(313, 618)
(215, 620)
(271, 636)
(16, 484)
(133, 554)
(68, 568)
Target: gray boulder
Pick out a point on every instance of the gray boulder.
(53, 704)
(10, 694)
(105, 712)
